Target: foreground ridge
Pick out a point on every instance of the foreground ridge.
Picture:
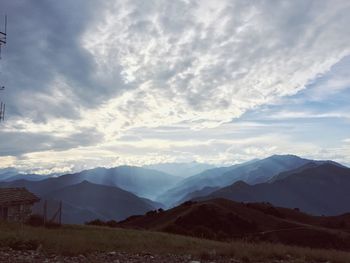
(22, 243)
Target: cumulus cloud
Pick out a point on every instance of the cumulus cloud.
(89, 78)
(211, 62)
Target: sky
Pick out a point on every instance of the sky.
(104, 83)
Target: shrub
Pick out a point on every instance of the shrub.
(151, 213)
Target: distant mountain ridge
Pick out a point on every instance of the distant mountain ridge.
(143, 182)
(320, 189)
(311, 164)
(252, 172)
(180, 169)
(125, 181)
(283, 180)
(8, 172)
(12, 174)
(29, 177)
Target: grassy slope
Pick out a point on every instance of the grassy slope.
(72, 240)
(222, 220)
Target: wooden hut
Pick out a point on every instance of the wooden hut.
(16, 204)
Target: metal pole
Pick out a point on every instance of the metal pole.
(45, 208)
(60, 215)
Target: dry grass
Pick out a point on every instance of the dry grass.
(72, 240)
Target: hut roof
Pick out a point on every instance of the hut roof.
(16, 195)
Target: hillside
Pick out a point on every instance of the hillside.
(86, 201)
(222, 219)
(320, 190)
(255, 171)
(22, 243)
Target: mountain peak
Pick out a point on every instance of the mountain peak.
(283, 156)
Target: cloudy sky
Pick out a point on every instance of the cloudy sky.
(104, 83)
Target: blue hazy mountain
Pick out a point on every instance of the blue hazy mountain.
(315, 188)
(12, 174)
(140, 181)
(87, 201)
(90, 194)
(252, 172)
(181, 169)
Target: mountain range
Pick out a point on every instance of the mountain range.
(12, 174)
(252, 172)
(120, 183)
(181, 169)
(143, 182)
(316, 187)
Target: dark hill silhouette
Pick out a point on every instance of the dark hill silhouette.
(224, 219)
(321, 190)
(252, 172)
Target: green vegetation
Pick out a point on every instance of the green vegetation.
(73, 240)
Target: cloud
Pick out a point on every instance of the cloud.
(214, 70)
(83, 75)
(283, 115)
(45, 68)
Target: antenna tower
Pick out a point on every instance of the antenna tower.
(3, 39)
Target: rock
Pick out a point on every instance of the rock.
(33, 256)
